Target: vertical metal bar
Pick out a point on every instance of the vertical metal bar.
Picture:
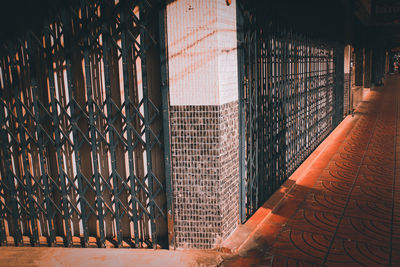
(312, 96)
(336, 74)
(75, 127)
(10, 178)
(252, 119)
(257, 177)
(282, 104)
(80, 176)
(341, 66)
(262, 171)
(289, 98)
(274, 114)
(249, 106)
(31, 141)
(58, 144)
(23, 145)
(270, 114)
(71, 89)
(283, 119)
(42, 160)
(242, 123)
(3, 205)
(299, 74)
(279, 108)
(306, 89)
(3, 170)
(258, 60)
(264, 115)
(129, 120)
(294, 101)
(107, 82)
(300, 100)
(143, 57)
(162, 16)
(317, 92)
(95, 163)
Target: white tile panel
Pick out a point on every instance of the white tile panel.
(202, 58)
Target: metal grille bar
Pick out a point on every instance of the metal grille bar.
(82, 160)
(290, 101)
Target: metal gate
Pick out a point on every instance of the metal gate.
(82, 159)
(290, 100)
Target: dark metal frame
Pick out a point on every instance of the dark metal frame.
(85, 157)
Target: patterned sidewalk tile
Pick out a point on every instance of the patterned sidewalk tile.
(313, 221)
(370, 210)
(369, 231)
(300, 245)
(346, 252)
(321, 202)
(372, 193)
(331, 188)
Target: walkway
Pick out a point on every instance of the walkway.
(346, 210)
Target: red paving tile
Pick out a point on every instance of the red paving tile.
(344, 212)
(374, 180)
(308, 220)
(396, 235)
(374, 170)
(288, 262)
(373, 159)
(372, 193)
(346, 252)
(331, 188)
(300, 245)
(374, 232)
(370, 210)
(338, 175)
(321, 202)
(395, 260)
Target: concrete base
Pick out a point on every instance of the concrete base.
(96, 257)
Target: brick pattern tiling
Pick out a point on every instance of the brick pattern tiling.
(346, 96)
(229, 160)
(205, 164)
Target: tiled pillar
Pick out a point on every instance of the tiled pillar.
(202, 62)
(347, 81)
